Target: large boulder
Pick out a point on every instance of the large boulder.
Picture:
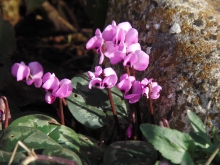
(182, 38)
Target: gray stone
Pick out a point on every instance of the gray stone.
(182, 38)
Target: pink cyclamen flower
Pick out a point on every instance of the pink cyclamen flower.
(155, 90)
(65, 88)
(136, 92)
(51, 84)
(97, 42)
(125, 83)
(107, 79)
(54, 88)
(32, 73)
(138, 59)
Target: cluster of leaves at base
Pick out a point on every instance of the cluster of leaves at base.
(181, 148)
(37, 132)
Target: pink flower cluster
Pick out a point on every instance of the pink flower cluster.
(133, 89)
(119, 43)
(33, 73)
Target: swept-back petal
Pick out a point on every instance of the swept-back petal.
(98, 71)
(133, 98)
(142, 60)
(108, 33)
(125, 26)
(36, 69)
(52, 84)
(21, 71)
(109, 71)
(65, 88)
(117, 57)
(131, 37)
(133, 47)
(91, 75)
(94, 43)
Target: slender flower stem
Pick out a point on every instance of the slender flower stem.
(212, 156)
(114, 111)
(133, 71)
(6, 110)
(64, 102)
(127, 70)
(61, 111)
(151, 104)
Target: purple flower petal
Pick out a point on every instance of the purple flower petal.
(65, 88)
(130, 59)
(49, 98)
(142, 60)
(36, 73)
(96, 82)
(36, 70)
(136, 92)
(20, 71)
(91, 75)
(94, 43)
(125, 85)
(132, 48)
(117, 57)
(110, 81)
(98, 33)
(98, 71)
(131, 37)
(119, 37)
(155, 94)
(109, 32)
(125, 26)
(51, 84)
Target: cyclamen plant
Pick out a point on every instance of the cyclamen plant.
(119, 43)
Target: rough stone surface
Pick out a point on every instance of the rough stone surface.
(182, 38)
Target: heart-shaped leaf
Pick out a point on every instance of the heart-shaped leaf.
(31, 137)
(90, 107)
(172, 144)
(130, 153)
(61, 134)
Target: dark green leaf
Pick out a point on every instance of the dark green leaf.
(198, 126)
(64, 153)
(130, 153)
(7, 38)
(90, 150)
(172, 144)
(90, 107)
(31, 137)
(216, 140)
(5, 157)
(61, 134)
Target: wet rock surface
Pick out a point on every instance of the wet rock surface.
(183, 40)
